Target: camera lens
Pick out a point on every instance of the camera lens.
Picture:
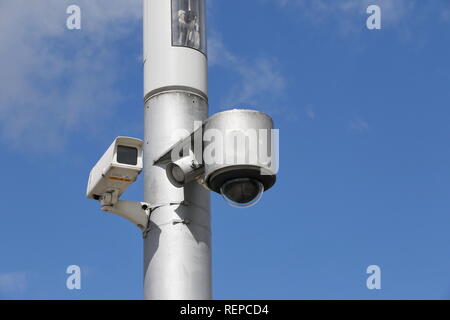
(177, 174)
(242, 192)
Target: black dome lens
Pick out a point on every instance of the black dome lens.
(242, 192)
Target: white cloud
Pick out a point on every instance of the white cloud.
(218, 54)
(309, 110)
(13, 283)
(359, 126)
(259, 80)
(445, 15)
(55, 82)
(348, 15)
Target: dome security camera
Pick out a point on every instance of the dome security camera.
(244, 159)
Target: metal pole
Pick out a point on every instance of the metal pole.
(177, 248)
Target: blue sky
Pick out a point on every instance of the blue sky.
(364, 153)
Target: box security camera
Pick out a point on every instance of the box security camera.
(119, 167)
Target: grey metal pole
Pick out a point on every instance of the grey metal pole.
(177, 248)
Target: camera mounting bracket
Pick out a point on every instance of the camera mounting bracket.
(137, 213)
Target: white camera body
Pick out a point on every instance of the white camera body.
(119, 167)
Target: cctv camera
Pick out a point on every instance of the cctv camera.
(184, 170)
(240, 155)
(116, 170)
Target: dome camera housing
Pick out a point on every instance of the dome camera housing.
(245, 155)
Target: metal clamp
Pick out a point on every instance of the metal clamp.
(152, 208)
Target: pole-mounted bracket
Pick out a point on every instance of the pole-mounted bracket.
(151, 208)
(136, 212)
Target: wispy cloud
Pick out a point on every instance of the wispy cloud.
(310, 113)
(445, 15)
(56, 82)
(359, 126)
(347, 15)
(259, 80)
(13, 283)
